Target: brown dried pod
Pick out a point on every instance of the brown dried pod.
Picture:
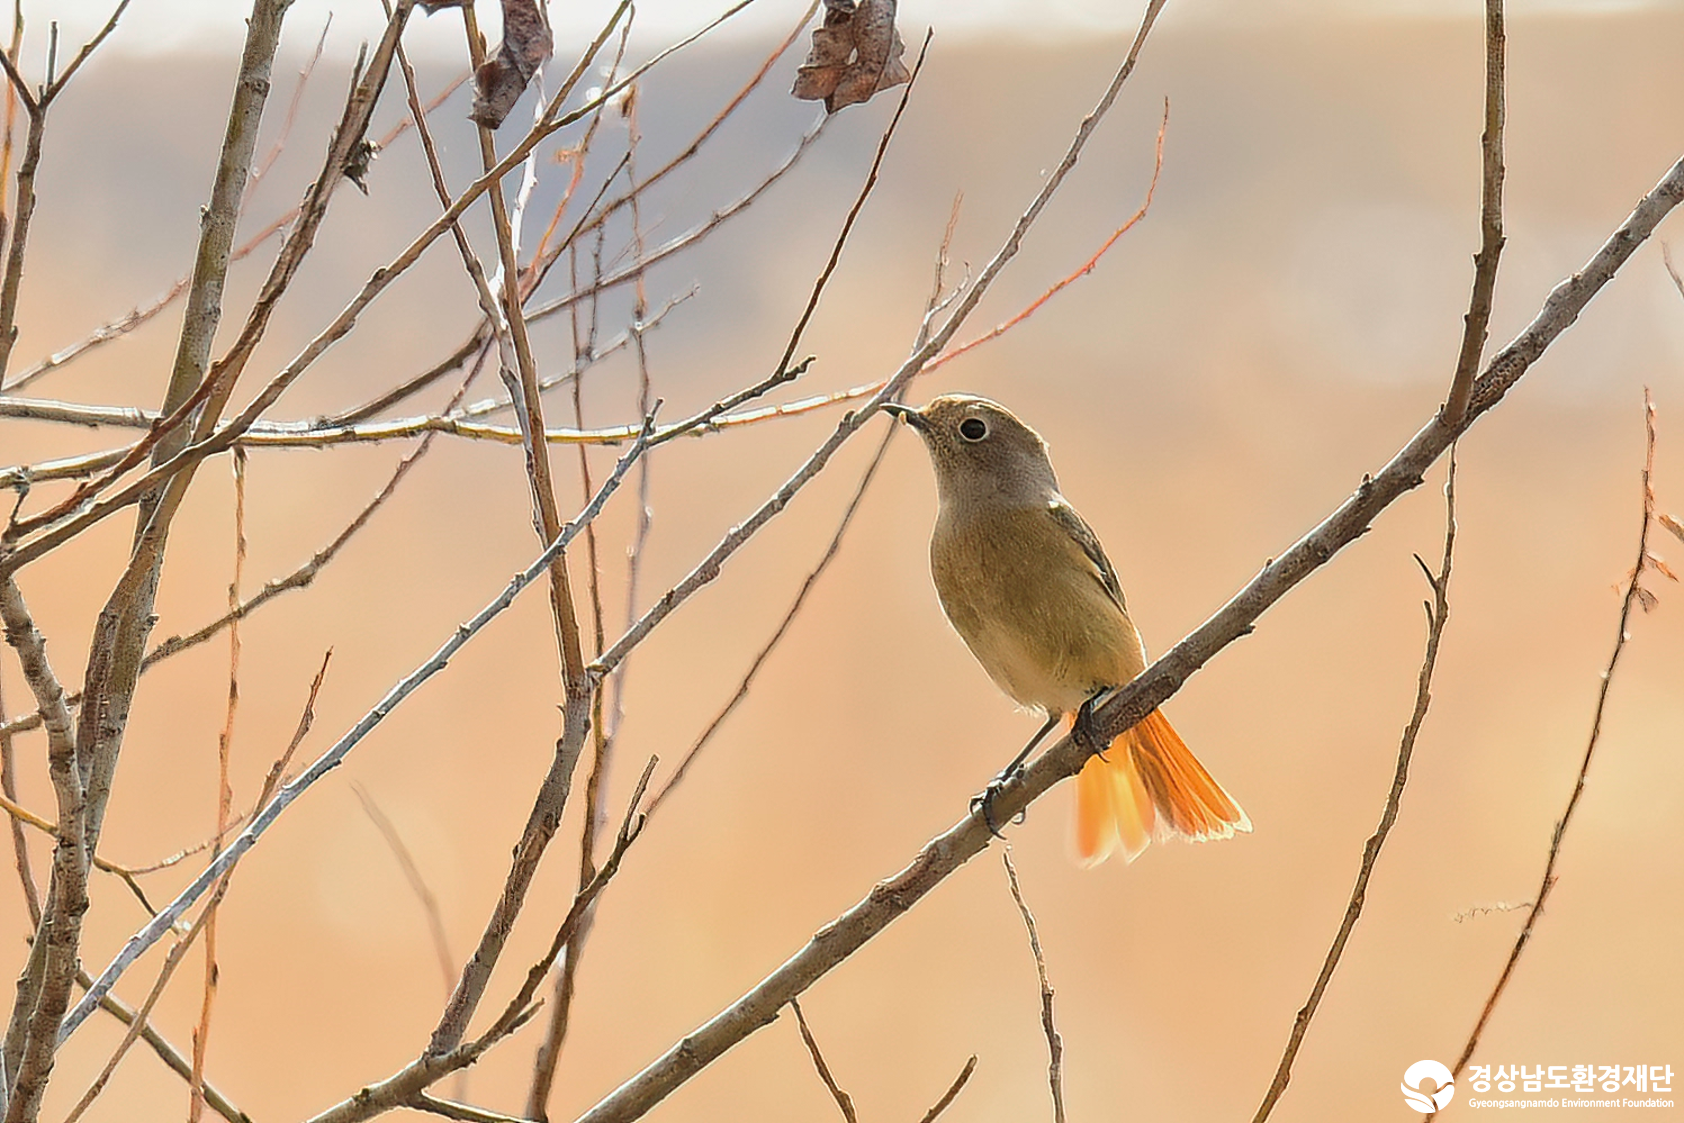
(856, 54)
(500, 80)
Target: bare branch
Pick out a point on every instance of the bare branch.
(122, 325)
(20, 841)
(424, 1101)
(56, 85)
(1055, 1044)
(778, 633)
(299, 578)
(952, 1092)
(1671, 270)
(1087, 267)
(521, 379)
(843, 1101)
(1490, 220)
(224, 797)
(139, 1022)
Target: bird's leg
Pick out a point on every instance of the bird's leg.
(1084, 729)
(984, 803)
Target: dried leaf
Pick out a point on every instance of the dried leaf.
(1656, 563)
(500, 81)
(1647, 599)
(857, 53)
(1673, 525)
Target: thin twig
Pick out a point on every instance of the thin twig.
(1634, 594)
(784, 372)
(830, 552)
(550, 252)
(1490, 220)
(466, 1113)
(807, 585)
(224, 797)
(291, 118)
(1087, 267)
(952, 1092)
(521, 379)
(548, 1054)
(1055, 1044)
(20, 841)
(1671, 269)
(1438, 614)
(683, 241)
(417, 883)
(56, 85)
(844, 1101)
(165, 973)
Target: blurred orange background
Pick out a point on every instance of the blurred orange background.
(1286, 317)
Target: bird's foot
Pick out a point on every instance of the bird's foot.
(983, 802)
(1086, 730)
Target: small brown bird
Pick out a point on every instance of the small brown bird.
(1028, 587)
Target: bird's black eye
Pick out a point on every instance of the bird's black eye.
(973, 428)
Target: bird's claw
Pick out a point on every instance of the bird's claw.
(983, 803)
(1086, 730)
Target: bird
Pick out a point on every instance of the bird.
(1025, 582)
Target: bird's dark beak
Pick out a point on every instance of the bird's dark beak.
(907, 414)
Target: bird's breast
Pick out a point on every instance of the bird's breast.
(1030, 605)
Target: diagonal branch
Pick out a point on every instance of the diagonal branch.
(952, 1092)
(844, 1102)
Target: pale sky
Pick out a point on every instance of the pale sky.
(152, 26)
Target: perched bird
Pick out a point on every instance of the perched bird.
(1028, 587)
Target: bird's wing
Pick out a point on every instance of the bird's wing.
(1082, 534)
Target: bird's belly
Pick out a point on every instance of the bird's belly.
(1048, 634)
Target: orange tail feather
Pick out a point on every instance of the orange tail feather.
(1149, 785)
